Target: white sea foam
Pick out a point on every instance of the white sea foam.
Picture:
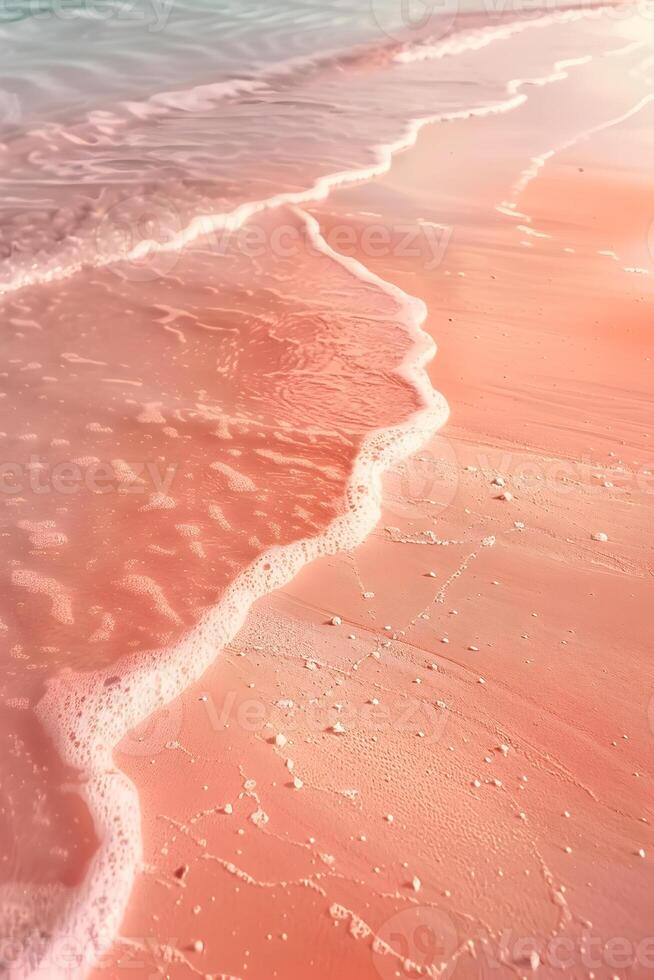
(60, 599)
(105, 705)
(481, 37)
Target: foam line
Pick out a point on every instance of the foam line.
(539, 162)
(103, 713)
(203, 226)
(475, 40)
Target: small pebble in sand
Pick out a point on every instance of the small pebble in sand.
(389, 818)
(368, 595)
(476, 783)
(290, 765)
(280, 740)
(519, 525)
(504, 749)
(522, 815)
(480, 680)
(310, 665)
(599, 536)
(198, 946)
(566, 814)
(228, 808)
(431, 574)
(297, 783)
(416, 884)
(640, 852)
(433, 666)
(337, 728)
(417, 680)
(506, 495)
(498, 481)
(568, 850)
(336, 620)
(351, 636)
(444, 639)
(473, 648)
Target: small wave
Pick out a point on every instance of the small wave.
(102, 706)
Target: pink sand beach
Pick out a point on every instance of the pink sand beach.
(328, 541)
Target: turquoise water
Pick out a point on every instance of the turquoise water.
(65, 55)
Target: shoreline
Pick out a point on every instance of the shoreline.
(363, 774)
(535, 715)
(213, 227)
(163, 676)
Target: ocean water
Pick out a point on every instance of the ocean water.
(125, 122)
(199, 391)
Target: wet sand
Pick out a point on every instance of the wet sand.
(469, 784)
